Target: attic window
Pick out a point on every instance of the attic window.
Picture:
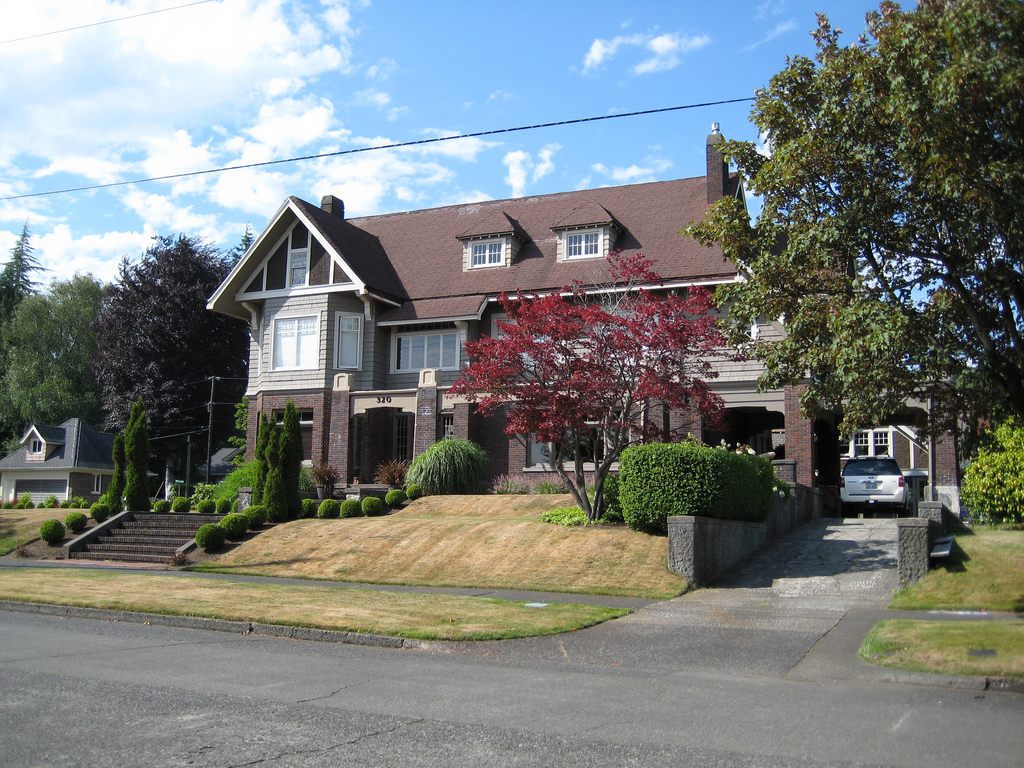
(487, 253)
(298, 256)
(589, 243)
(36, 446)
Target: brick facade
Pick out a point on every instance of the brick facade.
(799, 438)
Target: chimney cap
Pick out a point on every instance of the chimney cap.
(332, 204)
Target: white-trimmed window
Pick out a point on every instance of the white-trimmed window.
(416, 351)
(298, 257)
(487, 253)
(97, 484)
(348, 341)
(36, 446)
(296, 342)
(583, 244)
(868, 442)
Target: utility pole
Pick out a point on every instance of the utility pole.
(209, 430)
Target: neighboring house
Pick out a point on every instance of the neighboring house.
(222, 463)
(66, 461)
(361, 322)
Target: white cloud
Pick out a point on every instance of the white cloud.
(522, 167)
(382, 70)
(64, 255)
(371, 97)
(161, 214)
(770, 8)
(778, 30)
(633, 174)
(665, 49)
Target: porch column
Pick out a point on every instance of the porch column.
(337, 440)
(426, 412)
(799, 437)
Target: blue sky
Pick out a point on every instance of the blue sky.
(233, 82)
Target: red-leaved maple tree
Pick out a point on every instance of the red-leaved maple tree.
(581, 369)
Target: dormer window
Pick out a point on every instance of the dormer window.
(487, 253)
(588, 232)
(36, 446)
(584, 244)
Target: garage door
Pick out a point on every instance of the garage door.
(39, 490)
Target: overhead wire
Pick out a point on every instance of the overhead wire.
(377, 147)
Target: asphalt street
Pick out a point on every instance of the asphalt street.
(756, 671)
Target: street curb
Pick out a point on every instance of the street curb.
(214, 625)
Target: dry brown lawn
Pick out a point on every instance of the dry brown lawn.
(20, 526)
(495, 542)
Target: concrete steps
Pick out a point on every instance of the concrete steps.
(149, 537)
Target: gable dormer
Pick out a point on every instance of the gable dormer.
(40, 442)
(588, 232)
(491, 241)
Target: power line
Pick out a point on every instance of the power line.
(100, 23)
(376, 147)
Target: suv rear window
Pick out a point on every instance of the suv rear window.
(872, 467)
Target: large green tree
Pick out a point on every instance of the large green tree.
(891, 236)
(16, 277)
(48, 348)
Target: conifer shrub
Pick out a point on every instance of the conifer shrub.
(51, 531)
(309, 508)
(181, 505)
(207, 507)
(413, 492)
(256, 515)
(51, 502)
(351, 508)
(211, 537)
(373, 507)
(235, 526)
(75, 522)
(99, 511)
(395, 498)
(450, 466)
(328, 509)
(223, 506)
(163, 506)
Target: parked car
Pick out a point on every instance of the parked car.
(873, 484)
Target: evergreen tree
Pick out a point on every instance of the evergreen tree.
(260, 458)
(115, 493)
(274, 495)
(15, 280)
(136, 449)
(291, 459)
(243, 245)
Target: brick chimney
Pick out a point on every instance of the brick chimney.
(336, 206)
(718, 169)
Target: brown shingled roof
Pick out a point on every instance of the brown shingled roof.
(426, 255)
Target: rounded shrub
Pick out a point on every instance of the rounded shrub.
(413, 492)
(450, 466)
(256, 515)
(65, 504)
(211, 536)
(395, 498)
(99, 511)
(223, 506)
(181, 504)
(235, 526)
(372, 506)
(329, 508)
(163, 506)
(993, 487)
(206, 507)
(51, 531)
(51, 502)
(75, 522)
(308, 509)
(351, 508)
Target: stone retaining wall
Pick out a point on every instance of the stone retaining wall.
(702, 548)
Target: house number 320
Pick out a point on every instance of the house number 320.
(384, 399)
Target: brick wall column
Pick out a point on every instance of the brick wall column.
(426, 412)
(460, 420)
(685, 422)
(799, 437)
(337, 438)
(252, 426)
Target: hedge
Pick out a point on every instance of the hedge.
(657, 480)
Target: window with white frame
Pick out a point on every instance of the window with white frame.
(36, 447)
(487, 253)
(296, 342)
(868, 442)
(431, 349)
(97, 484)
(583, 244)
(298, 257)
(881, 440)
(348, 340)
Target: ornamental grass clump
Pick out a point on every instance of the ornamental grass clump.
(450, 466)
(51, 531)
(351, 508)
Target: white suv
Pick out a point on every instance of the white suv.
(873, 484)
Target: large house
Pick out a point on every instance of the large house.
(361, 322)
(66, 461)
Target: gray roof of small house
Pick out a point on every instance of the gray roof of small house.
(71, 445)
